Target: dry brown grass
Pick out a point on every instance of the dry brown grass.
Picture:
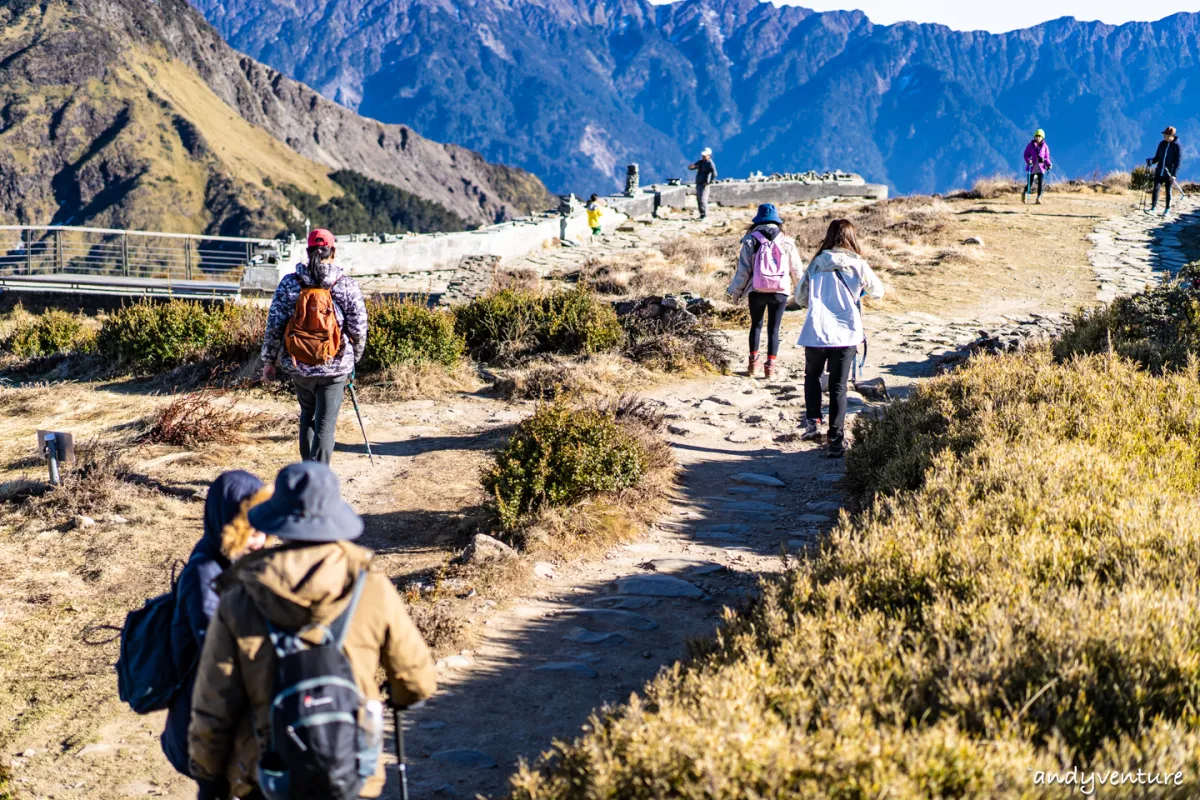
(201, 418)
(423, 381)
(101, 481)
(548, 377)
(521, 279)
(1019, 595)
(701, 265)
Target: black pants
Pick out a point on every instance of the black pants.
(320, 401)
(1164, 180)
(1029, 182)
(773, 305)
(839, 361)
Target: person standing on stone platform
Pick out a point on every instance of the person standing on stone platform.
(706, 174)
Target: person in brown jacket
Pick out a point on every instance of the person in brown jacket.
(308, 580)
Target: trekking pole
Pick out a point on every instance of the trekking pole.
(357, 413)
(398, 733)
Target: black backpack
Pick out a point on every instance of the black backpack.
(318, 750)
(147, 676)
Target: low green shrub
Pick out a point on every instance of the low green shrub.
(511, 323)
(409, 332)
(559, 456)
(1141, 179)
(675, 345)
(52, 332)
(1023, 604)
(149, 336)
(1159, 327)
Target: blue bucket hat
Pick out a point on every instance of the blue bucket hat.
(767, 213)
(307, 507)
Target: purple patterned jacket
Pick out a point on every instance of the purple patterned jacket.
(351, 316)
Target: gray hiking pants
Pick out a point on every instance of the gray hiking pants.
(320, 401)
(702, 199)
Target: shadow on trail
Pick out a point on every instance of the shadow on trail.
(544, 666)
(531, 685)
(419, 445)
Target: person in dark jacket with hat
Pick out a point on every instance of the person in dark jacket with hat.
(1167, 158)
(227, 536)
(308, 581)
(766, 298)
(319, 387)
(706, 175)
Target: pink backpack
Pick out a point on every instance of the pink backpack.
(770, 265)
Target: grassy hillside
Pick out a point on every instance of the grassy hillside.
(143, 143)
(1026, 607)
(100, 129)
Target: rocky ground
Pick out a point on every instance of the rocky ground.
(585, 633)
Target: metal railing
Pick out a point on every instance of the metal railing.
(28, 250)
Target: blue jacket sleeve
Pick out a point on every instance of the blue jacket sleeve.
(196, 602)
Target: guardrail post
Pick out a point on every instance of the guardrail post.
(125, 254)
(58, 252)
(28, 233)
(187, 259)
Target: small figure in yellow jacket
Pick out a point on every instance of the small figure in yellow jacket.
(595, 211)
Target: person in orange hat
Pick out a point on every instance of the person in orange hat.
(1167, 160)
(316, 333)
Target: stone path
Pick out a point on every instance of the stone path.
(1138, 248)
(596, 632)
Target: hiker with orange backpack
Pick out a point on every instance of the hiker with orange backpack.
(316, 332)
(768, 270)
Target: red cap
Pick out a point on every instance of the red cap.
(321, 238)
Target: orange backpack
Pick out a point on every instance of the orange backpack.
(313, 335)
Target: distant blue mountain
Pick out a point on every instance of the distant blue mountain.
(574, 91)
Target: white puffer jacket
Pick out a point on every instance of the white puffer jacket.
(834, 319)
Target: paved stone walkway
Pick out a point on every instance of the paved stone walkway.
(1139, 248)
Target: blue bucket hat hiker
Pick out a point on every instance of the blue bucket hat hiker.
(307, 507)
(767, 214)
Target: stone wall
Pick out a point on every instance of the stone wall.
(507, 240)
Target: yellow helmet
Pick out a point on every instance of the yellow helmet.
(1039, 132)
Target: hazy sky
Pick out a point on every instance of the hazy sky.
(1004, 15)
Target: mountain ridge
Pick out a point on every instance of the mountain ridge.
(135, 113)
(573, 90)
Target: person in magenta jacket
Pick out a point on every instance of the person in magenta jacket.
(1037, 164)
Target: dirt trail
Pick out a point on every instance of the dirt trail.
(589, 634)
(593, 633)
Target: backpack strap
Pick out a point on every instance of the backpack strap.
(287, 642)
(858, 305)
(339, 627)
(857, 299)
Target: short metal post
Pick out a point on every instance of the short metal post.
(125, 254)
(187, 258)
(58, 251)
(52, 457)
(28, 234)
